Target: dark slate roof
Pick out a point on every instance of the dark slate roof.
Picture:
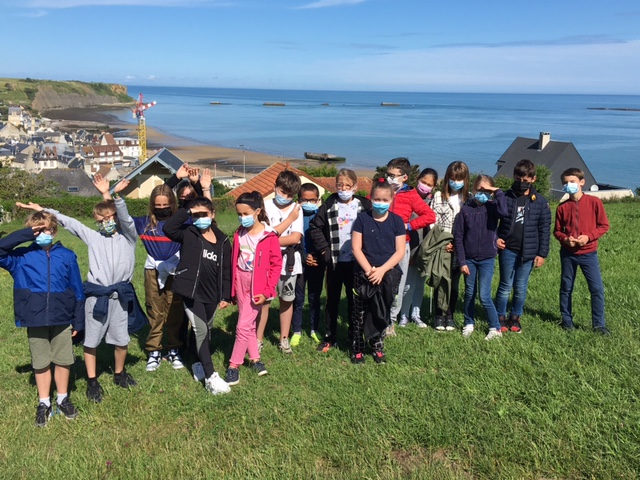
(74, 182)
(164, 158)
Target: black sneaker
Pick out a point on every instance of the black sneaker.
(68, 409)
(357, 358)
(94, 392)
(325, 346)
(568, 326)
(259, 368)
(379, 357)
(602, 331)
(43, 414)
(232, 377)
(449, 323)
(504, 325)
(124, 380)
(515, 326)
(438, 323)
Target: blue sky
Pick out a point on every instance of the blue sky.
(560, 46)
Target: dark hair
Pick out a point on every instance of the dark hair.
(204, 202)
(524, 168)
(572, 172)
(381, 184)
(456, 169)
(309, 187)
(483, 178)
(288, 182)
(431, 172)
(255, 201)
(401, 163)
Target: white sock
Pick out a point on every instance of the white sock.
(46, 401)
(61, 397)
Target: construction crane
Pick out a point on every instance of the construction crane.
(138, 112)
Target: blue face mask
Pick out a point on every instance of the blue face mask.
(108, 228)
(202, 223)
(571, 188)
(44, 239)
(309, 207)
(481, 197)
(246, 221)
(380, 208)
(456, 185)
(283, 201)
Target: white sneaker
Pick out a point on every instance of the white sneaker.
(418, 321)
(260, 345)
(404, 321)
(284, 346)
(467, 330)
(154, 361)
(174, 359)
(493, 333)
(390, 330)
(214, 384)
(198, 372)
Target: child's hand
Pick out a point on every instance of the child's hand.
(570, 241)
(101, 183)
(582, 240)
(295, 212)
(194, 175)
(205, 180)
(538, 262)
(121, 185)
(222, 305)
(376, 275)
(259, 299)
(29, 206)
(74, 333)
(449, 248)
(183, 171)
(501, 244)
(311, 260)
(465, 270)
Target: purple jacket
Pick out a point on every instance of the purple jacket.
(475, 229)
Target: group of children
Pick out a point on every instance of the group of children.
(383, 248)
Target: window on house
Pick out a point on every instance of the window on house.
(72, 189)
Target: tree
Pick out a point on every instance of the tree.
(321, 171)
(381, 172)
(20, 185)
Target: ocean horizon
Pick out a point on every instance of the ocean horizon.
(431, 129)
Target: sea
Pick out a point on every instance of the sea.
(430, 129)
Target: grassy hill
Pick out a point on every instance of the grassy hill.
(542, 404)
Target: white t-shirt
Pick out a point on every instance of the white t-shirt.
(347, 213)
(276, 217)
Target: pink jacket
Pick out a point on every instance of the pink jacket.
(266, 266)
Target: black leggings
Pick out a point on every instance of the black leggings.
(200, 316)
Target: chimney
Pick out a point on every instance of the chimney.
(545, 138)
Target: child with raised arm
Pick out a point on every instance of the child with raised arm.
(48, 302)
(474, 237)
(256, 265)
(580, 221)
(203, 279)
(330, 234)
(378, 239)
(110, 294)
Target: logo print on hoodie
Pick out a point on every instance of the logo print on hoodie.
(209, 255)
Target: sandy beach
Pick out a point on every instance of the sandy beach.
(226, 161)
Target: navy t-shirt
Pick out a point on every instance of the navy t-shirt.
(379, 238)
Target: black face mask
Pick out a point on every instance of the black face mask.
(520, 187)
(162, 213)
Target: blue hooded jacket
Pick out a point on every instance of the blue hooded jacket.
(47, 286)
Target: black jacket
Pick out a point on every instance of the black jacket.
(188, 270)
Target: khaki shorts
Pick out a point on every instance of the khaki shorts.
(50, 345)
(287, 287)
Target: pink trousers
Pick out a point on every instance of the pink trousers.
(246, 340)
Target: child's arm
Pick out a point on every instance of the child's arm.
(275, 267)
(544, 227)
(226, 275)
(425, 215)
(127, 224)
(316, 233)
(74, 227)
(174, 225)
(358, 254)
(11, 241)
(602, 225)
(558, 229)
(194, 178)
(376, 274)
(458, 242)
(75, 281)
(295, 236)
(182, 172)
(500, 201)
(205, 183)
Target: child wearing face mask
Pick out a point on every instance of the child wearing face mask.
(446, 204)
(415, 214)
(111, 307)
(202, 278)
(412, 301)
(474, 238)
(330, 233)
(164, 308)
(256, 264)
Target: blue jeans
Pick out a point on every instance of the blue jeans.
(590, 266)
(482, 271)
(514, 273)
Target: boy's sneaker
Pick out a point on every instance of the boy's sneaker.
(391, 330)
(198, 371)
(295, 339)
(67, 408)
(315, 337)
(504, 325)
(325, 346)
(232, 377)
(438, 323)
(449, 323)
(154, 361)
(94, 392)
(43, 414)
(214, 384)
(602, 331)
(467, 330)
(173, 357)
(568, 326)
(284, 346)
(124, 380)
(379, 357)
(260, 345)
(514, 321)
(419, 323)
(259, 368)
(357, 358)
(493, 333)
(404, 321)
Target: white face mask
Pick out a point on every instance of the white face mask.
(394, 182)
(345, 195)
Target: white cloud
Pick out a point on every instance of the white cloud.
(330, 3)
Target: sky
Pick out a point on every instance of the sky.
(493, 46)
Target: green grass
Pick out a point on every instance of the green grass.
(543, 404)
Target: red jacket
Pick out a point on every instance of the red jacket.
(581, 217)
(266, 266)
(406, 202)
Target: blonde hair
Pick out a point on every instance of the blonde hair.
(350, 174)
(103, 207)
(42, 218)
